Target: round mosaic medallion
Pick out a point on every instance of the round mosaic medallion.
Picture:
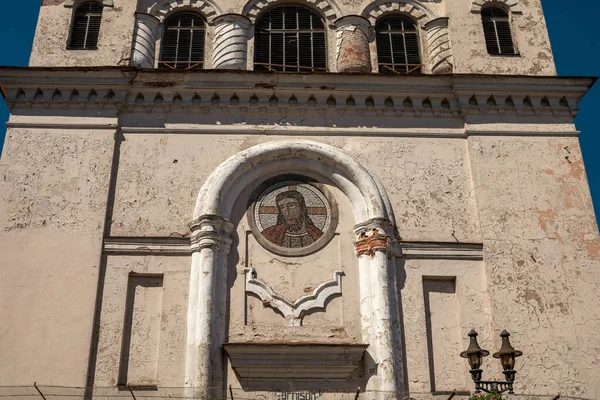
(293, 218)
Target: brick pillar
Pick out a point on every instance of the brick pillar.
(352, 44)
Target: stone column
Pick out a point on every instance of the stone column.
(379, 305)
(144, 40)
(210, 244)
(438, 44)
(230, 45)
(352, 44)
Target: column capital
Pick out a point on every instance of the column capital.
(374, 235)
(239, 19)
(211, 231)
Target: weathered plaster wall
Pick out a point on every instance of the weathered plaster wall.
(52, 35)
(426, 179)
(530, 38)
(53, 193)
(542, 258)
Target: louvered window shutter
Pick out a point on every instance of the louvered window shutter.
(183, 42)
(496, 28)
(86, 26)
(290, 39)
(398, 45)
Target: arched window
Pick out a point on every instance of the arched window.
(183, 42)
(86, 26)
(398, 45)
(496, 28)
(290, 38)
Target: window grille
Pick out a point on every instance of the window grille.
(183, 42)
(398, 45)
(496, 28)
(290, 38)
(86, 26)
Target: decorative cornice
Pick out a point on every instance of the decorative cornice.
(441, 251)
(147, 245)
(209, 91)
(181, 246)
(294, 311)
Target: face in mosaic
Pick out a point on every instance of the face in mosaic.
(292, 214)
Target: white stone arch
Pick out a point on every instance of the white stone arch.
(73, 3)
(211, 239)
(208, 8)
(419, 12)
(328, 9)
(509, 5)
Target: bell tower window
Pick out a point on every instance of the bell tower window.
(290, 38)
(86, 26)
(183, 42)
(398, 45)
(496, 28)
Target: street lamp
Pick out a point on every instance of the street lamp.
(507, 354)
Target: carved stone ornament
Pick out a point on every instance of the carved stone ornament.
(293, 217)
(293, 312)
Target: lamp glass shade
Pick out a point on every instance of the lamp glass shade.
(508, 361)
(475, 360)
(507, 353)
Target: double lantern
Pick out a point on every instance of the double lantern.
(507, 354)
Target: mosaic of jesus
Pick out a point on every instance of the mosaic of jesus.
(292, 214)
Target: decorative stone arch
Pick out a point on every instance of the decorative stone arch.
(328, 8)
(73, 3)
(509, 5)
(415, 9)
(163, 8)
(211, 239)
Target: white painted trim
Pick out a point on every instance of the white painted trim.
(269, 130)
(511, 5)
(62, 126)
(328, 9)
(208, 8)
(416, 9)
(147, 245)
(105, 3)
(294, 311)
(181, 246)
(441, 251)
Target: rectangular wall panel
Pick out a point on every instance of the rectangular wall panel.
(141, 331)
(442, 321)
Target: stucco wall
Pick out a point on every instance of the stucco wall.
(542, 251)
(52, 220)
(52, 35)
(427, 180)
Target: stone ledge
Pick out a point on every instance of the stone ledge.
(268, 363)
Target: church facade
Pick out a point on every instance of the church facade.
(311, 199)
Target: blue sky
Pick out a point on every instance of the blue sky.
(575, 42)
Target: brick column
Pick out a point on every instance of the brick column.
(352, 44)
